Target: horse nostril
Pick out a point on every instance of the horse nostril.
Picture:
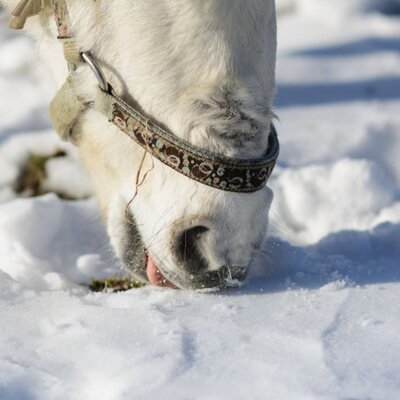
(188, 252)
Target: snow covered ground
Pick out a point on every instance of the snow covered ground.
(319, 318)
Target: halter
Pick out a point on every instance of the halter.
(217, 171)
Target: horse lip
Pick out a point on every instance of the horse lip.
(226, 276)
(223, 278)
(137, 269)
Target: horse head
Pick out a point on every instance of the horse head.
(205, 71)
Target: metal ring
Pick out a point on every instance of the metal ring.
(101, 79)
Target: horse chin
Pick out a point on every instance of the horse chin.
(133, 254)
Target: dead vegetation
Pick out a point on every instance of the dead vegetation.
(30, 182)
(114, 285)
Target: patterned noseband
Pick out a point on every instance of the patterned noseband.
(217, 171)
(229, 174)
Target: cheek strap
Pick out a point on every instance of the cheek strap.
(65, 110)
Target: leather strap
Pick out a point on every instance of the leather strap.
(65, 110)
(201, 165)
(71, 53)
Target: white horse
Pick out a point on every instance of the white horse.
(205, 70)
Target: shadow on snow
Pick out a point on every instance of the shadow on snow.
(356, 48)
(310, 94)
(355, 257)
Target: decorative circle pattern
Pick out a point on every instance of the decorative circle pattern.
(224, 174)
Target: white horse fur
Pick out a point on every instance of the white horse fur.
(206, 70)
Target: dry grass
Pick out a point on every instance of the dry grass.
(114, 285)
(33, 175)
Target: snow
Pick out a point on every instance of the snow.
(318, 319)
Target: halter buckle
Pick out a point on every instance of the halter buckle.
(98, 72)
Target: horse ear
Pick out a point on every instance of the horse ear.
(24, 10)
